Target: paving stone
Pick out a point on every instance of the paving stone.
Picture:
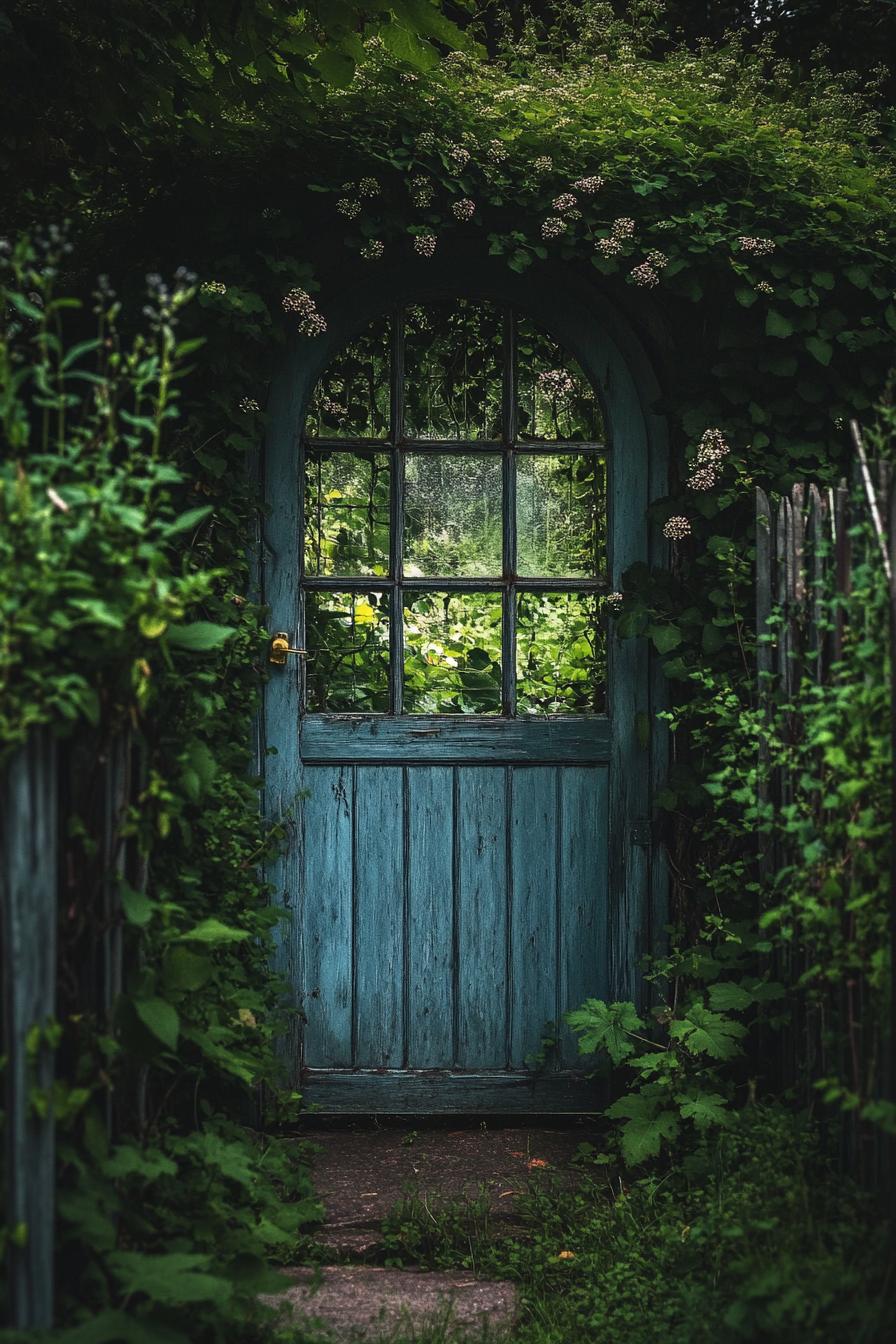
(365, 1302)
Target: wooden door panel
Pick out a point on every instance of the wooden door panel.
(481, 823)
(430, 886)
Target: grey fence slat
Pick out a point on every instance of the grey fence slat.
(28, 887)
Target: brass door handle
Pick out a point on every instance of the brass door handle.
(279, 648)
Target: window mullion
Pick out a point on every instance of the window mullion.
(508, 512)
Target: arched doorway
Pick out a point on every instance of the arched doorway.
(455, 483)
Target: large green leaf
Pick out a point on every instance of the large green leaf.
(704, 1108)
(646, 1125)
(173, 1279)
(605, 1026)
(777, 325)
(160, 1018)
(707, 1033)
(199, 636)
(213, 931)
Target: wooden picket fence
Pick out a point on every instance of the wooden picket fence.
(807, 549)
(60, 939)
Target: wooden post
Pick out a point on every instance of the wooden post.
(28, 900)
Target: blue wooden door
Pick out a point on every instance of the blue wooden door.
(463, 819)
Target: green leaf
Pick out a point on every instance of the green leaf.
(706, 1033)
(725, 996)
(822, 350)
(129, 1160)
(777, 325)
(605, 1026)
(136, 905)
(199, 636)
(213, 931)
(188, 520)
(160, 1018)
(645, 1126)
(119, 1327)
(184, 970)
(704, 1108)
(173, 1278)
(666, 637)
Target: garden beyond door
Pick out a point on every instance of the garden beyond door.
(452, 853)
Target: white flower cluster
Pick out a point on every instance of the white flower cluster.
(588, 186)
(300, 303)
(426, 141)
(543, 164)
(248, 404)
(711, 451)
(459, 156)
(658, 260)
(608, 247)
(622, 228)
(373, 250)
(553, 227)
(348, 207)
(464, 209)
(556, 382)
(213, 287)
(564, 203)
(421, 191)
(764, 287)
(757, 247)
(408, 77)
(676, 528)
(614, 601)
(333, 408)
(496, 151)
(645, 276)
(368, 186)
(425, 244)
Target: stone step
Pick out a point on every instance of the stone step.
(365, 1302)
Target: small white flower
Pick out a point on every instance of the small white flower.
(425, 244)
(373, 250)
(543, 164)
(588, 186)
(368, 186)
(556, 382)
(658, 260)
(348, 207)
(564, 203)
(553, 227)
(677, 528)
(763, 287)
(426, 141)
(464, 209)
(703, 478)
(459, 156)
(248, 404)
(757, 247)
(622, 228)
(645, 276)
(614, 601)
(712, 448)
(608, 247)
(300, 303)
(213, 287)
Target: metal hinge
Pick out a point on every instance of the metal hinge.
(641, 833)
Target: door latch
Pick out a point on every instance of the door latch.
(279, 647)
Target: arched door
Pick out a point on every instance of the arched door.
(456, 872)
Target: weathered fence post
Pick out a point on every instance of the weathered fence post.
(28, 901)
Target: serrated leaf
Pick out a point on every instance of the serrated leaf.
(822, 350)
(707, 1033)
(171, 1278)
(725, 996)
(605, 1026)
(665, 637)
(703, 1108)
(160, 1018)
(645, 1127)
(129, 1160)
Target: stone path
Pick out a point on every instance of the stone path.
(361, 1175)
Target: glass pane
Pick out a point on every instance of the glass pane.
(453, 372)
(560, 515)
(452, 653)
(560, 654)
(452, 515)
(347, 639)
(346, 513)
(351, 401)
(554, 398)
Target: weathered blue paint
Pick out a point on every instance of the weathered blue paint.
(459, 883)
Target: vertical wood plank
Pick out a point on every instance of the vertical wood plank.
(379, 917)
(583, 906)
(482, 916)
(430, 829)
(28, 903)
(325, 914)
(533, 920)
